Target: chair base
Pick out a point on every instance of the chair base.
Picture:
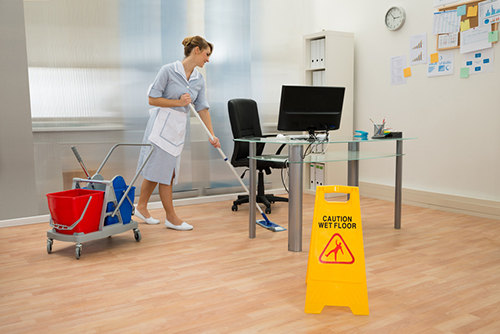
(266, 199)
(262, 197)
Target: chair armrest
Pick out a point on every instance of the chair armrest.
(278, 152)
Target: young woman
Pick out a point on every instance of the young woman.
(175, 87)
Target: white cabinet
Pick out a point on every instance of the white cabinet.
(329, 61)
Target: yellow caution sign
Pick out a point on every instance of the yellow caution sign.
(336, 273)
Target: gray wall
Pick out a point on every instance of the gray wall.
(17, 168)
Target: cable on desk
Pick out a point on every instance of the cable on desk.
(285, 167)
(307, 151)
(315, 140)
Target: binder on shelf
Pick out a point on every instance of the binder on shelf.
(318, 78)
(316, 53)
(320, 174)
(311, 55)
(312, 176)
(321, 44)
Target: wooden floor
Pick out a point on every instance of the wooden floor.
(439, 274)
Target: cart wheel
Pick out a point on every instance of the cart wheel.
(234, 208)
(78, 251)
(137, 235)
(49, 245)
(268, 210)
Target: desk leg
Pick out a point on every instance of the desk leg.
(295, 198)
(353, 167)
(252, 191)
(398, 185)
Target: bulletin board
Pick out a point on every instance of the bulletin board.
(473, 21)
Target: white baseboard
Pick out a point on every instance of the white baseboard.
(24, 221)
(450, 203)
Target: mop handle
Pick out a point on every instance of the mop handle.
(79, 158)
(222, 153)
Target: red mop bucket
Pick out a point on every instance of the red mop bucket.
(76, 210)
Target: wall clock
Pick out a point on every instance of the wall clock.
(395, 18)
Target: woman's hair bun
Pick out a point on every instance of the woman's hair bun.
(187, 41)
(192, 42)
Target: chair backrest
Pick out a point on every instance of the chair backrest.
(245, 123)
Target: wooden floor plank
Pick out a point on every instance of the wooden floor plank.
(440, 273)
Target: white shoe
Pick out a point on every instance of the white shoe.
(150, 220)
(182, 227)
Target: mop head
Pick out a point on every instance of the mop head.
(270, 225)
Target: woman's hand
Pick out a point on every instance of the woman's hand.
(161, 102)
(185, 100)
(215, 143)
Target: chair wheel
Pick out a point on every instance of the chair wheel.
(268, 210)
(234, 208)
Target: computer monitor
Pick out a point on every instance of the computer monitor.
(310, 108)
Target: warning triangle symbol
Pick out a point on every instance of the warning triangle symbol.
(336, 251)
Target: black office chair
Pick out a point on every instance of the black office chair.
(245, 123)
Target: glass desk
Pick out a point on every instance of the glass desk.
(352, 155)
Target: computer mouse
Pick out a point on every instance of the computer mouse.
(280, 136)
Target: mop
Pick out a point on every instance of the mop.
(266, 223)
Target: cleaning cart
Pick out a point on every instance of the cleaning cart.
(100, 209)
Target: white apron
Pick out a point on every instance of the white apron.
(169, 130)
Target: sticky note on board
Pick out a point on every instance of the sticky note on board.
(464, 25)
(461, 10)
(472, 11)
(493, 36)
(434, 57)
(407, 72)
(464, 72)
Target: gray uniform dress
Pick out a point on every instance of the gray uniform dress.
(170, 83)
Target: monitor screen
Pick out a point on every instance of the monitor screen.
(310, 108)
